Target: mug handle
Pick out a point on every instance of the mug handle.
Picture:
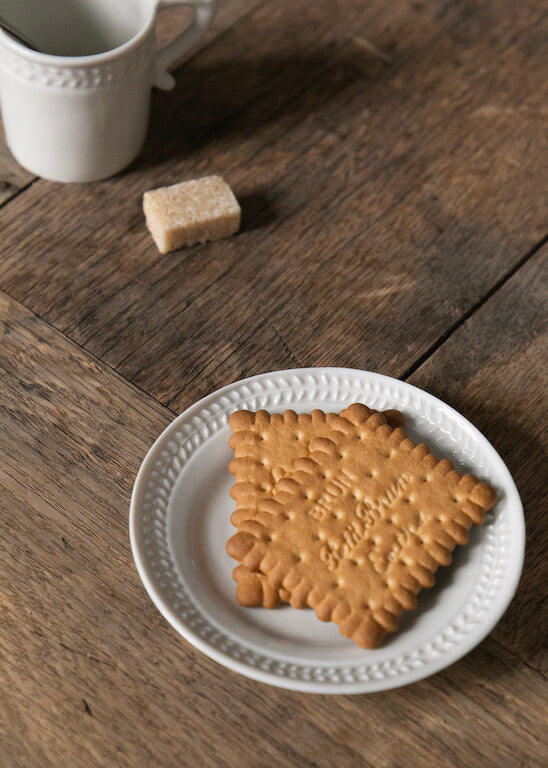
(173, 54)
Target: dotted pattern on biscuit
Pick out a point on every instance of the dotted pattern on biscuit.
(253, 586)
(358, 525)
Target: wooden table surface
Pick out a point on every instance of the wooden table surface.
(389, 161)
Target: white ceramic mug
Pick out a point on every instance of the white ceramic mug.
(80, 111)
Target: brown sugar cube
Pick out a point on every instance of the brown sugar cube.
(191, 212)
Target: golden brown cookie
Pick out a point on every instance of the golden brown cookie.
(253, 588)
(359, 523)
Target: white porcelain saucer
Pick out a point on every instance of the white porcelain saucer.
(180, 522)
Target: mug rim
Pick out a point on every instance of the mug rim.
(93, 59)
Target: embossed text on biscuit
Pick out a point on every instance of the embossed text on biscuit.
(366, 512)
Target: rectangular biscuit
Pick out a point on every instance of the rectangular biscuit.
(358, 525)
(253, 587)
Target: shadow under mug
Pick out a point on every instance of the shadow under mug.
(80, 111)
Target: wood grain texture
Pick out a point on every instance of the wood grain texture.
(91, 673)
(13, 178)
(493, 370)
(357, 249)
(387, 158)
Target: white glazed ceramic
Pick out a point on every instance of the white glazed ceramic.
(180, 522)
(72, 117)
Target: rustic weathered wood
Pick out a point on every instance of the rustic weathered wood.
(13, 178)
(493, 370)
(385, 186)
(93, 676)
(387, 159)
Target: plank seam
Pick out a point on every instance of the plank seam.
(91, 355)
(446, 335)
(517, 656)
(19, 191)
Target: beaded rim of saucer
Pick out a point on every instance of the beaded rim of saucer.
(501, 546)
